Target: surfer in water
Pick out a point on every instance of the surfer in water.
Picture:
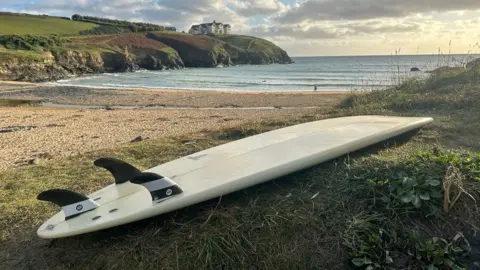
(315, 88)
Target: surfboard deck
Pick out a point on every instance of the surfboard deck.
(231, 167)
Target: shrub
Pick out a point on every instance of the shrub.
(28, 42)
(120, 26)
(400, 193)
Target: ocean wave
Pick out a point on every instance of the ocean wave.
(327, 73)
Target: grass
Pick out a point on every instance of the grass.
(118, 43)
(20, 55)
(247, 49)
(252, 44)
(376, 208)
(200, 42)
(17, 102)
(39, 25)
(452, 100)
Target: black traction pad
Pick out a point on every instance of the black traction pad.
(121, 170)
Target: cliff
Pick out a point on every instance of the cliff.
(30, 58)
(246, 50)
(195, 51)
(87, 55)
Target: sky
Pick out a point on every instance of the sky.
(302, 27)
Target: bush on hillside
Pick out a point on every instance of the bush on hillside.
(106, 30)
(28, 42)
(124, 26)
(6, 13)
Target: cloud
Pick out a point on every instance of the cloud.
(319, 10)
(180, 13)
(300, 26)
(380, 27)
(250, 8)
(335, 30)
(192, 6)
(298, 32)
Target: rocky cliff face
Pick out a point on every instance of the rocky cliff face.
(52, 67)
(257, 57)
(130, 52)
(60, 65)
(156, 60)
(195, 51)
(246, 50)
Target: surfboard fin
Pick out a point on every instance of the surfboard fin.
(121, 170)
(160, 187)
(72, 203)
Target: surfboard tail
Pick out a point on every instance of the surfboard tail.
(72, 203)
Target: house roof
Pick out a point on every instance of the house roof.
(210, 24)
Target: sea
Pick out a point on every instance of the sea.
(326, 73)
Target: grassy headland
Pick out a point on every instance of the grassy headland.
(31, 48)
(252, 50)
(408, 205)
(11, 24)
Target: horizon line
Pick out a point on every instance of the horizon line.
(366, 55)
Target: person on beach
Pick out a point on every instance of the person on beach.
(315, 88)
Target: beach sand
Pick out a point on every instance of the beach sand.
(32, 134)
(171, 98)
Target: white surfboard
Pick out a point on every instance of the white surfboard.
(215, 172)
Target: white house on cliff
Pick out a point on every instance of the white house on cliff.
(211, 28)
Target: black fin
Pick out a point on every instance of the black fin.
(121, 170)
(73, 204)
(160, 187)
(145, 177)
(61, 197)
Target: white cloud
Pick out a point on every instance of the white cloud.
(319, 10)
(305, 27)
(258, 7)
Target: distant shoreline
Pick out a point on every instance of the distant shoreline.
(166, 90)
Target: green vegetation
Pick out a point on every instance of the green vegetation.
(106, 30)
(40, 25)
(26, 24)
(108, 26)
(17, 102)
(410, 205)
(134, 26)
(250, 43)
(195, 51)
(33, 43)
(44, 48)
(20, 55)
(247, 49)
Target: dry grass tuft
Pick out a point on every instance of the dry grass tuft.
(453, 188)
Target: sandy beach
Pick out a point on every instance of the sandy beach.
(170, 98)
(33, 134)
